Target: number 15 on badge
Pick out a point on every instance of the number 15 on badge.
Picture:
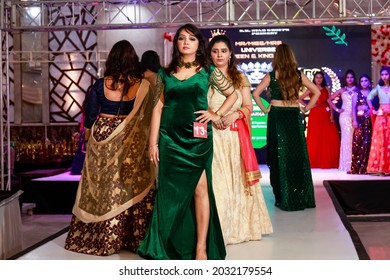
(200, 130)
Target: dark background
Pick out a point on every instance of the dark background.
(313, 50)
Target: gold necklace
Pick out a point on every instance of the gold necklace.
(188, 65)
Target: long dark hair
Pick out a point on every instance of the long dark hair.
(234, 74)
(150, 60)
(383, 68)
(122, 66)
(289, 80)
(323, 83)
(200, 53)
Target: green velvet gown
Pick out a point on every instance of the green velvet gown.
(287, 156)
(183, 158)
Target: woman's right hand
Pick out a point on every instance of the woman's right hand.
(205, 116)
(154, 154)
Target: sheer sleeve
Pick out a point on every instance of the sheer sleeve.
(218, 80)
(245, 81)
(92, 106)
(373, 93)
(159, 90)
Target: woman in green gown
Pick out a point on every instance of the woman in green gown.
(185, 223)
(287, 157)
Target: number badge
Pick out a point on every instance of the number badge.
(234, 126)
(200, 130)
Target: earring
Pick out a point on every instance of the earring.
(229, 60)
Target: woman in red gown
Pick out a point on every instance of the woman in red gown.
(323, 139)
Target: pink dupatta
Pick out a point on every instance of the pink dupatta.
(252, 172)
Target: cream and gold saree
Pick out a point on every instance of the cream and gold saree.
(117, 172)
(116, 191)
(242, 211)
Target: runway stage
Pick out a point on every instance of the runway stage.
(312, 234)
(52, 194)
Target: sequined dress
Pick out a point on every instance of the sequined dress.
(287, 156)
(346, 127)
(361, 138)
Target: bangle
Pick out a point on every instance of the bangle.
(219, 114)
(155, 145)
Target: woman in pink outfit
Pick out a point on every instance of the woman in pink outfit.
(379, 160)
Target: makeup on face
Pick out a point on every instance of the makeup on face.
(350, 79)
(318, 79)
(220, 54)
(365, 83)
(187, 42)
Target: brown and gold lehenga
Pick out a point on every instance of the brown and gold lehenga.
(116, 191)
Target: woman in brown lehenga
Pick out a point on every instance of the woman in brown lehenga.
(115, 194)
(362, 127)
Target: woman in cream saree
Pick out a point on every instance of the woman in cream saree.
(241, 207)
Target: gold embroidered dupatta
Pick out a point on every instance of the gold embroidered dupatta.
(117, 172)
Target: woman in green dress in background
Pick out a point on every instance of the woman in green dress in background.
(287, 157)
(185, 223)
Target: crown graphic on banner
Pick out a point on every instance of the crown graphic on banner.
(217, 32)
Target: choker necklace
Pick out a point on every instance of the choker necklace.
(188, 65)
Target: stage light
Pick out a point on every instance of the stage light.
(33, 11)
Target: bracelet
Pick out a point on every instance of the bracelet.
(155, 145)
(219, 114)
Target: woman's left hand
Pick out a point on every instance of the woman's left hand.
(206, 116)
(229, 119)
(219, 124)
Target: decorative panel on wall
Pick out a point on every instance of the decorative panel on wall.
(7, 111)
(75, 64)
